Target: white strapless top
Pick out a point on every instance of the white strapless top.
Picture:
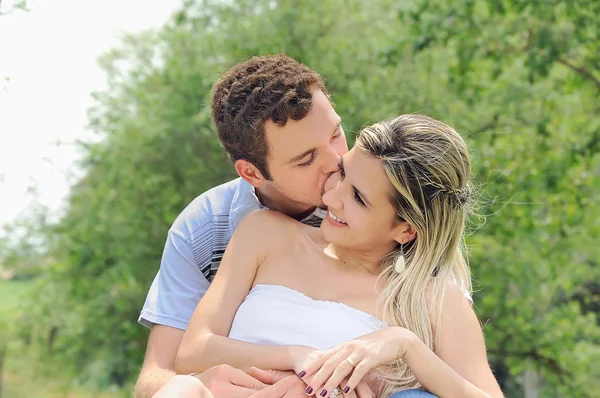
(278, 315)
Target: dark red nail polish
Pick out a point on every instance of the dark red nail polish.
(323, 393)
(301, 374)
(346, 390)
(309, 390)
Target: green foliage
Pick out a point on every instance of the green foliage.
(529, 73)
(520, 79)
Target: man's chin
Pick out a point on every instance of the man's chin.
(320, 204)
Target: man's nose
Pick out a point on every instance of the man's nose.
(332, 163)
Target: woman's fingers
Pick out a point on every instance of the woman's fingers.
(340, 376)
(320, 384)
(350, 394)
(314, 363)
(360, 371)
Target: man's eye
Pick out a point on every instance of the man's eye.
(308, 162)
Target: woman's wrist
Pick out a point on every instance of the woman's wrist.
(405, 342)
(297, 355)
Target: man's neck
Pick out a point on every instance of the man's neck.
(275, 200)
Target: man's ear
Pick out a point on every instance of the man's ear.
(405, 233)
(249, 172)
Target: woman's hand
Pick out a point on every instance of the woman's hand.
(301, 355)
(354, 359)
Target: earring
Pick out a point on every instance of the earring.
(399, 262)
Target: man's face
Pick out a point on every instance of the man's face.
(304, 153)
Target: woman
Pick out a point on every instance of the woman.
(381, 281)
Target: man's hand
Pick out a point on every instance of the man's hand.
(224, 381)
(289, 385)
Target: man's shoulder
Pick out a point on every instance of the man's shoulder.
(212, 206)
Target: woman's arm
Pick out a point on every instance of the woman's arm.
(460, 370)
(205, 343)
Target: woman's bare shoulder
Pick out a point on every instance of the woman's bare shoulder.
(269, 227)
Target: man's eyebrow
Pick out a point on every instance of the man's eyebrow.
(302, 155)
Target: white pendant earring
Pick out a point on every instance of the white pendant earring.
(399, 262)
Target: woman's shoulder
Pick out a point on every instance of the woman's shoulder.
(444, 298)
(268, 227)
(452, 294)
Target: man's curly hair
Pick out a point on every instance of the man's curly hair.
(273, 87)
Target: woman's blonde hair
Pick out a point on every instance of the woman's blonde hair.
(428, 164)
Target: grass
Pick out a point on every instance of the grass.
(23, 376)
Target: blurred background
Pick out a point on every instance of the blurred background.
(105, 136)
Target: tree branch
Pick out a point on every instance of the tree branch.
(580, 71)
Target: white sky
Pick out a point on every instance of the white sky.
(47, 70)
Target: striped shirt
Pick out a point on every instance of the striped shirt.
(194, 249)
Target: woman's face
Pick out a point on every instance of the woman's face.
(360, 212)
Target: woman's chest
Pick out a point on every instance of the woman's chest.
(314, 276)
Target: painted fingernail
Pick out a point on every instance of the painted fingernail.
(301, 374)
(309, 390)
(346, 390)
(323, 393)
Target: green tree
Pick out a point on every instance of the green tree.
(518, 79)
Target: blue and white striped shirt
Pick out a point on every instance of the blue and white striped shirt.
(195, 246)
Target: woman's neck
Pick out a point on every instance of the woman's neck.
(356, 260)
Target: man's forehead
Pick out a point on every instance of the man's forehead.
(298, 139)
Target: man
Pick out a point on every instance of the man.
(274, 118)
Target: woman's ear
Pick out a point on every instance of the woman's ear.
(249, 172)
(405, 233)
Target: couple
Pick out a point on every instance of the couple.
(372, 303)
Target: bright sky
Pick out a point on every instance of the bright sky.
(47, 70)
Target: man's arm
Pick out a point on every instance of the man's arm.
(205, 343)
(159, 362)
(175, 292)
(184, 386)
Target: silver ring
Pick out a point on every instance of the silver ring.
(335, 392)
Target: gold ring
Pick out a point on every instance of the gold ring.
(350, 362)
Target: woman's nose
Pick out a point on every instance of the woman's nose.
(331, 197)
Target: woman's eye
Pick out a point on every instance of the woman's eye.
(358, 198)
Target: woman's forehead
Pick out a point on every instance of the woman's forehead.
(367, 174)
